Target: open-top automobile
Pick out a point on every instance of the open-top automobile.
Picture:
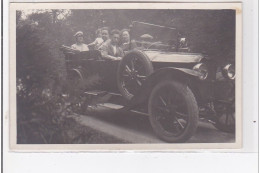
(162, 79)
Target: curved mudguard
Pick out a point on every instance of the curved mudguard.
(181, 74)
(77, 72)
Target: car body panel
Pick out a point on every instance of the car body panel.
(173, 57)
(107, 71)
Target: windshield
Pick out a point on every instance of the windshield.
(151, 36)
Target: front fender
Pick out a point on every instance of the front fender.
(181, 74)
(188, 72)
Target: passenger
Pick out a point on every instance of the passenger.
(79, 45)
(105, 37)
(98, 41)
(125, 41)
(111, 49)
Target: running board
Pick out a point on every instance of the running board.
(111, 106)
(95, 93)
(118, 107)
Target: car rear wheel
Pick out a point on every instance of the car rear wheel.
(173, 111)
(132, 72)
(74, 77)
(74, 90)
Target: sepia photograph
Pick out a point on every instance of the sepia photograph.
(126, 75)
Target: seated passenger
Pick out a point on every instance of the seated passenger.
(105, 37)
(98, 41)
(111, 49)
(125, 41)
(79, 45)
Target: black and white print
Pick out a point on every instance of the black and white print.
(126, 76)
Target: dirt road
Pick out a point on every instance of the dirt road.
(135, 128)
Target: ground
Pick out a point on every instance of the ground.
(130, 127)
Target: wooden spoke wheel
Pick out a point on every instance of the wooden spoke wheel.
(173, 111)
(132, 72)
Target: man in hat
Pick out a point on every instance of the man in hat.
(79, 45)
(111, 50)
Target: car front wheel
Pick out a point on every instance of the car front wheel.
(173, 111)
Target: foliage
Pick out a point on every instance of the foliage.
(44, 100)
(208, 31)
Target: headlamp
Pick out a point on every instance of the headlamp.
(229, 71)
(202, 69)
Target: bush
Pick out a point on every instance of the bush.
(43, 108)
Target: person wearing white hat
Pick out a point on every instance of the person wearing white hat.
(79, 45)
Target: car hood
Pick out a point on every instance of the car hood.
(178, 57)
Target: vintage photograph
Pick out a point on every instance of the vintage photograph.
(126, 75)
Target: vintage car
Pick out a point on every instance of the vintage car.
(162, 79)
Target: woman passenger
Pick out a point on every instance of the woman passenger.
(125, 41)
(79, 45)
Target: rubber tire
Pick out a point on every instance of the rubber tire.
(73, 76)
(193, 112)
(146, 63)
(74, 80)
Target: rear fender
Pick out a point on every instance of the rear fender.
(76, 73)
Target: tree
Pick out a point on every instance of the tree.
(43, 102)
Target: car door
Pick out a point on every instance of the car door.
(106, 71)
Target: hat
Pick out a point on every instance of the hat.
(78, 33)
(147, 36)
